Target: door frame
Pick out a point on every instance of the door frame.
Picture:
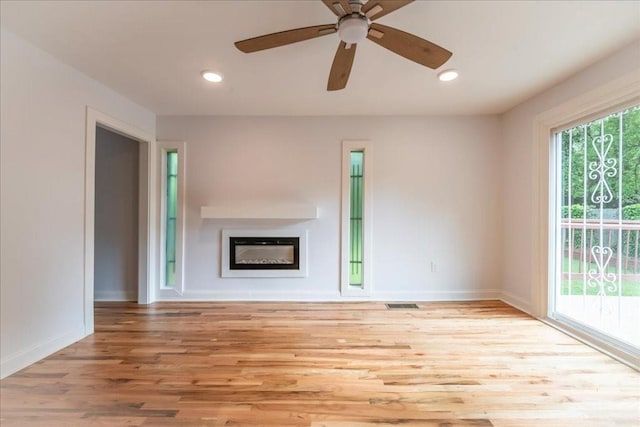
(616, 93)
(146, 211)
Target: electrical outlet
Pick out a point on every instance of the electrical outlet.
(434, 267)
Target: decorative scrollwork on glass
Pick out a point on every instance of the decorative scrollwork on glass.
(600, 278)
(602, 169)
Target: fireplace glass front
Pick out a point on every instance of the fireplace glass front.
(264, 253)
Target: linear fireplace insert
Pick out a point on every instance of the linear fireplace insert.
(261, 252)
(264, 253)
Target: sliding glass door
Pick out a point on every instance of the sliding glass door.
(597, 228)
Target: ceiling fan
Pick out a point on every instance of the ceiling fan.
(355, 23)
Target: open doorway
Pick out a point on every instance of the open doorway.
(117, 172)
(142, 275)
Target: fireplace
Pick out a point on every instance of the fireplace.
(264, 253)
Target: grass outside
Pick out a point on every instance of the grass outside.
(630, 288)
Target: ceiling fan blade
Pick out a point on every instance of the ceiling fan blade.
(375, 9)
(339, 7)
(284, 37)
(341, 67)
(409, 46)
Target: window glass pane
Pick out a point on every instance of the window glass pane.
(355, 219)
(599, 226)
(170, 214)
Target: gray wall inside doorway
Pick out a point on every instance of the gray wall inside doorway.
(116, 217)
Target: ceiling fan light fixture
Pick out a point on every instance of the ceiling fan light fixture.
(210, 76)
(353, 29)
(448, 75)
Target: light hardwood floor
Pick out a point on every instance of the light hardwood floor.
(311, 364)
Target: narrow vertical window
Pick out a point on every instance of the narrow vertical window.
(172, 184)
(171, 209)
(356, 218)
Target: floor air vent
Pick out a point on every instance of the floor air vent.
(402, 306)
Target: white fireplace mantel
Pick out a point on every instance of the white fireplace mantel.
(257, 210)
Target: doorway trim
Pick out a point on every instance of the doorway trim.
(146, 218)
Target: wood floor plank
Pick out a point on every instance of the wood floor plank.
(322, 364)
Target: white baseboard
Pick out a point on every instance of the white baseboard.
(516, 301)
(252, 296)
(14, 362)
(301, 296)
(426, 296)
(115, 296)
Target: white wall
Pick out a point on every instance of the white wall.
(520, 173)
(436, 197)
(42, 112)
(116, 217)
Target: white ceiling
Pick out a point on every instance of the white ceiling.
(153, 52)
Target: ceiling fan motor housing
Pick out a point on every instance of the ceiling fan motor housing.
(353, 28)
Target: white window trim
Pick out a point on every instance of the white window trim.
(616, 94)
(163, 148)
(367, 223)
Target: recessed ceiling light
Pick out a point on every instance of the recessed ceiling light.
(448, 75)
(211, 76)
